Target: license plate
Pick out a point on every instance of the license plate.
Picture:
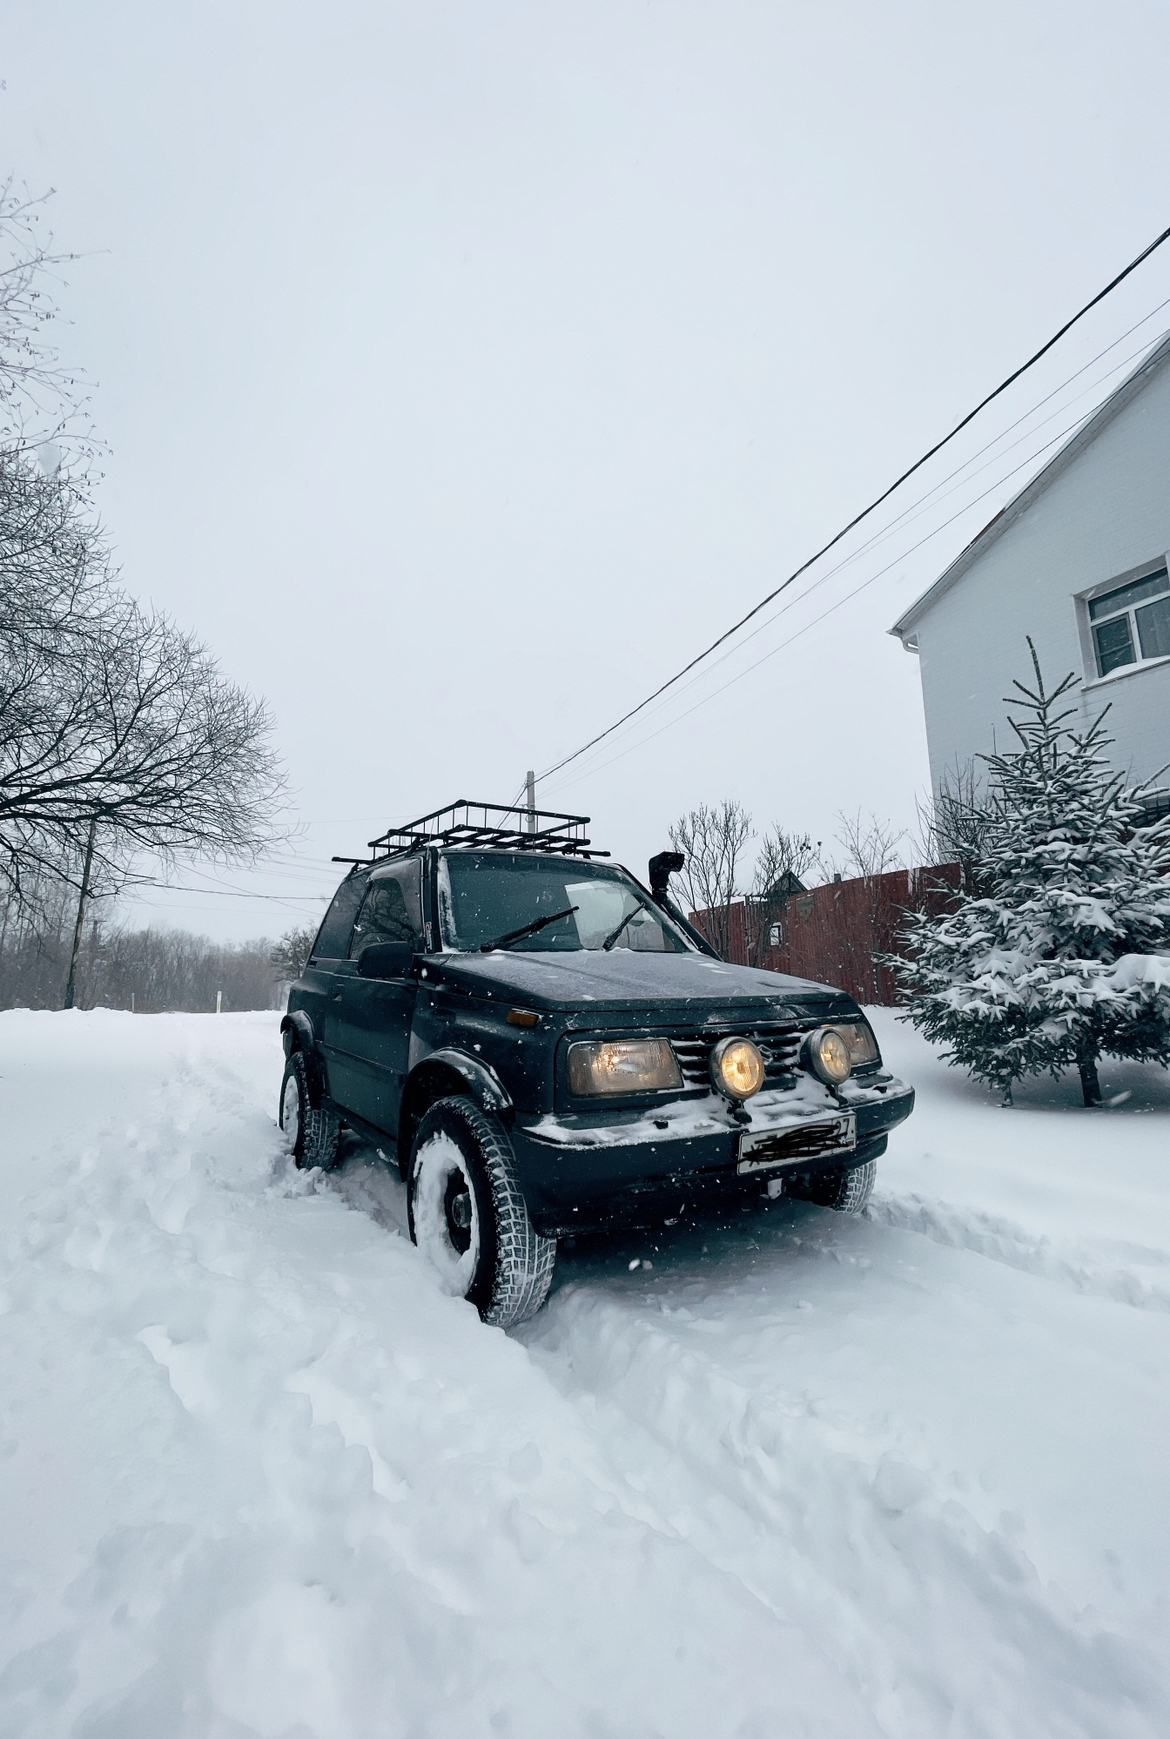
(790, 1146)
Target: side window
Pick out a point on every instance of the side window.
(392, 908)
(333, 937)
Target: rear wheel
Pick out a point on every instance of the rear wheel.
(313, 1134)
(847, 1191)
(468, 1214)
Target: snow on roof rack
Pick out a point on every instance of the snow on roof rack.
(464, 824)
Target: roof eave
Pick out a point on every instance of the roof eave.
(1130, 387)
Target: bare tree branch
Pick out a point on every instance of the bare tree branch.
(871, 846)
(956, 826)
(44, 406)
(110, 715)
(784, 863)
(712, 840)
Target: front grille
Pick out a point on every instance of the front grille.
(779, 1046)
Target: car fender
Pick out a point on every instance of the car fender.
(296, 1033)
(485, 1085)
(438, 1073)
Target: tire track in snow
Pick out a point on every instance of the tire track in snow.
(669, 1538)
(943, 1624)
(999, 1240)
(303, 1491)
(747, 1480)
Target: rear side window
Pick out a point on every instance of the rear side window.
(333, 937)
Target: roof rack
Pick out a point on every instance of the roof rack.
(466, 824)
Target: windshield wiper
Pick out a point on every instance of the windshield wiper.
(526, 930)
(634, 909)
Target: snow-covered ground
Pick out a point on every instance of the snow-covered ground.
(792, 1474)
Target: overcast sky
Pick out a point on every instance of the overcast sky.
(466, 368)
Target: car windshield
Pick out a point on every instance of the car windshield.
(486, 896)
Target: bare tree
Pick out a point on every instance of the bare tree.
(118, 734)
(712, 840)
(956, 824)
(144, 970)
(291, 954)
(871, 846)
(784, 860)
(783, 864)
(117, 731)
(44, 407)
(116, 726)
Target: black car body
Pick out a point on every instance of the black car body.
(404, 1002)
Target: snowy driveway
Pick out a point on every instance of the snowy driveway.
(803, 1475)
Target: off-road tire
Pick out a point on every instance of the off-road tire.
(847, 1191)
(314, 1133)
(511, 1271)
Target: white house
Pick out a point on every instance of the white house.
(1079, 562)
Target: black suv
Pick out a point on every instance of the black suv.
(551, 1048)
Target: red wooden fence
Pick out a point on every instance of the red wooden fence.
(832, 934)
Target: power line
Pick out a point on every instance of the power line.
(908, 515)
(866, 511)
(230, 893)
(291, 901)
(836, 605)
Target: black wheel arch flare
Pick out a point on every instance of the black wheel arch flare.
(296, 1033)
(442, 1074)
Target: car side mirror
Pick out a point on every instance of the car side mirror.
(385, 960)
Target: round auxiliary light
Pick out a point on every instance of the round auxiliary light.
(828, 1056)
(737, 1068)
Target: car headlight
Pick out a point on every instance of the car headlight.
(859, 1041)
(622, 1066)
(737, 1068)
(828, 1055)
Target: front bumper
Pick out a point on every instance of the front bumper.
(580, 1172)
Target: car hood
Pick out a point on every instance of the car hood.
(623, 978)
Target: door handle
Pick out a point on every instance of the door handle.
(336, 996)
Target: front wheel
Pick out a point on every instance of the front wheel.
(847, 1191)
(468, 1214)
(313, 1135)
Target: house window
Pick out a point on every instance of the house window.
(1131, 623)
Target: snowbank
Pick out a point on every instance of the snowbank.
(801, 1475)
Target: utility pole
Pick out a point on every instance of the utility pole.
(531, 788)
(71, 983)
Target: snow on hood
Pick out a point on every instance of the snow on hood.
(623, 976)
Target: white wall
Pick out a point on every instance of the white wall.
(1106, 513)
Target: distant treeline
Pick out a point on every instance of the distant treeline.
(148, 970)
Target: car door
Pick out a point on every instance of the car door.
(319, 990)
(374, 1015)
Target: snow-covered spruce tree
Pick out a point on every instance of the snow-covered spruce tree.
(1066, 956)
